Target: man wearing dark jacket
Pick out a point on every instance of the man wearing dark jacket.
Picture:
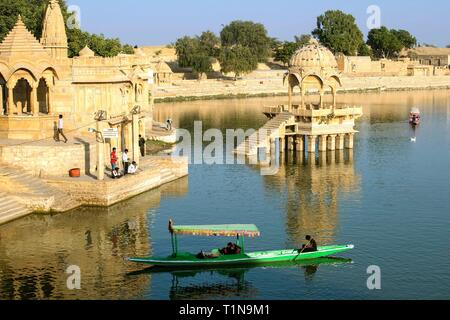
(142, 143)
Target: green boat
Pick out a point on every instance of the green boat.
(183, 260)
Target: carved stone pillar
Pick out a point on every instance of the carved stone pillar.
(332, 142)
(323, 143)
(291, 143)
(300, 143)
(340, 141)
(34, 106)
(135, 130)
(282, 144)
(50, 100)
(100, 151)
(1, 100)
(350, 141)
(289, 96)
(321, 99)
(312, 144)
(10, 103)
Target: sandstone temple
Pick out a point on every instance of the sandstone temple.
(105, 102)
(39, 82)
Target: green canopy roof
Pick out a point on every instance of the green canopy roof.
(231, 230)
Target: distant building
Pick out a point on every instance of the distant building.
(438, 57)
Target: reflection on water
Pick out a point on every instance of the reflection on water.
(313, 185)
(204, 286)
(36, 251)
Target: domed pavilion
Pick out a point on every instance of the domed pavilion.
(313, 67)
(308, 127)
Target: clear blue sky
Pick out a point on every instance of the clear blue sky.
(154, 22)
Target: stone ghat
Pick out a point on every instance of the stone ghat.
(154, 172)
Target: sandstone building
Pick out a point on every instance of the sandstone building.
(39, 82)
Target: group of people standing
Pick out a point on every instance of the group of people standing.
(128, 167)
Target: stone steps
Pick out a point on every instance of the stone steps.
(11, 209)
(37, 188)
(250, 145)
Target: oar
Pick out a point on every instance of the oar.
(302, 250)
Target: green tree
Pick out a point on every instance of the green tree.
(210, 43)
(249, 35)
(338, 31)
(303, 40)
(407, 39)
(237, 59)
(365, 50)
(33, 13)
(384, 43)
(197, 52)
(286, 50)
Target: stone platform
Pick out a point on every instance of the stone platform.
(153, 172)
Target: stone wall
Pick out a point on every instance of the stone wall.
(271, 82)
(45, 160)
(108, 192)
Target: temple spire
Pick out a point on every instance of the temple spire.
(54, 37)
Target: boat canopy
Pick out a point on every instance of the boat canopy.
(231, 230)
(415, 111)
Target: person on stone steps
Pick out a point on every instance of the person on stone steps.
(126, 162)
(61, 129)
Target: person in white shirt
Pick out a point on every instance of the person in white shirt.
(61, 128)
(125, 161)
(132, 169)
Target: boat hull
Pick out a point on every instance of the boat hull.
(183, 260)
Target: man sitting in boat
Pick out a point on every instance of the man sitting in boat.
(208, 255)
(310, 247)
(231, 248)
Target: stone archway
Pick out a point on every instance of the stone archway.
(22, 93)
(22, 96)
(309, 83)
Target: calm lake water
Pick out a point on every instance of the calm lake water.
(391, 199)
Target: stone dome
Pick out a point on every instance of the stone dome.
(313, 56)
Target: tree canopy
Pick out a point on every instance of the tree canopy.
(286, 50)
(385, 43)
(249, 35)
(33, 13)
(238, 59)
(407, 39)
(197, 52)
(339, 32)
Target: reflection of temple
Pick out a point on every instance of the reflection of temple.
(36, 251)
(308, 126)
(312, 193)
